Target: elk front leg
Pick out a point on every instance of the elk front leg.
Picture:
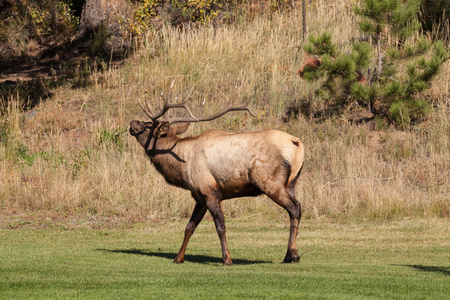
(197, 216)
(215, 208)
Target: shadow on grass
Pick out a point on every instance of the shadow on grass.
(201, 259)
(433, 269)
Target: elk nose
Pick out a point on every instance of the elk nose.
(138, 127)
(134, 127)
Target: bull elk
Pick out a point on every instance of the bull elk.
(218, 165)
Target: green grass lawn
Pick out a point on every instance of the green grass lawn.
(408, 259)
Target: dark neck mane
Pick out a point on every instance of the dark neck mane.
(166, 160)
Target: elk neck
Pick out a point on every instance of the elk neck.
(167, 157)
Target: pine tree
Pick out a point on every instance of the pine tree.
(351, 77)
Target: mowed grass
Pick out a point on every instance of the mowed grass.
(407, 259)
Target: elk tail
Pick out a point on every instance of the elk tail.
(296, 163)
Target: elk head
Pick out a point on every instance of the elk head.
(148, 133)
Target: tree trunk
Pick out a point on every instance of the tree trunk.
(106, 12)
(304, 19)
(380, 56)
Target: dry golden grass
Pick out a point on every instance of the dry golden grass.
(74, 155)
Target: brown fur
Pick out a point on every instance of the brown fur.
(218, 165)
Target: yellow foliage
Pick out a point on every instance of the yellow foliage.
(201, 11)
(49, 16)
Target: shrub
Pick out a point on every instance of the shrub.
(182, 12)
(380, 87)
(40, 21)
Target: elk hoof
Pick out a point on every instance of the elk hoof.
(178, 261)
(228, 263)
(294, 259)
(292, 256)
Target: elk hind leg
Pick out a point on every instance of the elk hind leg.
(292, 251)
(197, 216)
(286, 199)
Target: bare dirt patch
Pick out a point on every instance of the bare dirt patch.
(67, 221)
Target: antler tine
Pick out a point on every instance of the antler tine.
(181, 105)
(146, 109)
(167, 106)
(160, 98)
(168, 96)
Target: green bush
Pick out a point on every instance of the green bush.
(113, 138)
(23, 154)
(380, 86)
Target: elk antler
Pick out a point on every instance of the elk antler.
(221, 112)
(166, 106)
(191, 117)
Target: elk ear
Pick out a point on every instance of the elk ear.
(180, 129)
(163, 129)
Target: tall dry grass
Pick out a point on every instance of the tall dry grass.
(73, 154)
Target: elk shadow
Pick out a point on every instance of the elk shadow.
(194, 258)
(434, 269)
